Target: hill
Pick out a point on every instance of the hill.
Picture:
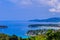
(55, 19)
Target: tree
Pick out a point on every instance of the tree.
(14, 37)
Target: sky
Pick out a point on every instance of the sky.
(29, 9)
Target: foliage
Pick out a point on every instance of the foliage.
(50, 35)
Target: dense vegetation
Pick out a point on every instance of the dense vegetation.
(49, 35)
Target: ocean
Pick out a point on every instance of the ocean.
(18, 28)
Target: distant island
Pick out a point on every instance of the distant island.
(45, 25)
(2, 26)
(54, 19)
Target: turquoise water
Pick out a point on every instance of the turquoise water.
(18, 28)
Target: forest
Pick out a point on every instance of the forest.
(48, 35)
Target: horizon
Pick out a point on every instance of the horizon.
(32, 19)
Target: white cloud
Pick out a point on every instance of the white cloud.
(53, 4)
(52, 10)
(26, 2)
(22, 2)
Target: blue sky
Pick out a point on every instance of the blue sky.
(29, 9)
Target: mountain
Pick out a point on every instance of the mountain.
(55, 19)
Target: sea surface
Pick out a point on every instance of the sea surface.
(20, 28)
